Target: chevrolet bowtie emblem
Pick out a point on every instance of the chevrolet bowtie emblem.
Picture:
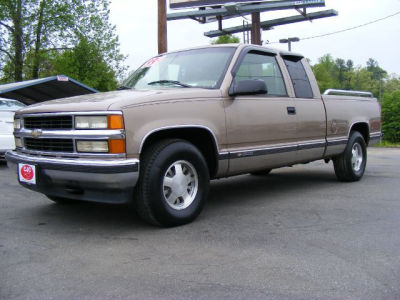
(36, 133)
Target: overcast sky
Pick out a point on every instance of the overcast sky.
(136, 22)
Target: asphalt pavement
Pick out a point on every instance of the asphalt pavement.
(294, 234)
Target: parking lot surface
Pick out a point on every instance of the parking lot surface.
(294, 234)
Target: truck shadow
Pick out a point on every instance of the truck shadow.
(226, 196)
(247, 188)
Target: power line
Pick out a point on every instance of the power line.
(347, 29)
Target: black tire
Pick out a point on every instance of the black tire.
(151, 192)
(261, 173)
(60, 200)
(347, 167)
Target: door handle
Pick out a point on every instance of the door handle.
(291, 110)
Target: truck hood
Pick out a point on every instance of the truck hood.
(119, 100)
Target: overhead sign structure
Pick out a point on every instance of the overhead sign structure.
(176, 4)
(204, 11)
(200, 3)
(267, 25)
(233, 10)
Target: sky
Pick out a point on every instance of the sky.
(136, 23)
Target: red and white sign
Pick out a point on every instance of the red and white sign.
(153, 61)
(62, 78)
(27, 173)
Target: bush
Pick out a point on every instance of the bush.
(391, 117)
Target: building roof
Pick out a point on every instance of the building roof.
(43, 89)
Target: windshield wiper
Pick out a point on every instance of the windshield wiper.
(170, 81)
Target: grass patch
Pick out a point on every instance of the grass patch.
(386, 144)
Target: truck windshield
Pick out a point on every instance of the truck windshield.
(10, 105)
(203, 68)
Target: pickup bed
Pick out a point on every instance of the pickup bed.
(184, 118)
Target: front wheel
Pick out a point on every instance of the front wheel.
(173, 183)
(350, 165)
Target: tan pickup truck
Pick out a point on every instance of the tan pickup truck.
(184, 118)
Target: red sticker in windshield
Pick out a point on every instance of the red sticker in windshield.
(153, 61)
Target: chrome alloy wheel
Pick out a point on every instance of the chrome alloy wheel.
(356, 157)
(180, 184)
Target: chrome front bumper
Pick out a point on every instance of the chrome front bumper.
(97, 180)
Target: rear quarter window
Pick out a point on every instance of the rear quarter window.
(298, 75)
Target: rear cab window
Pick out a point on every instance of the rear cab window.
(298, 76)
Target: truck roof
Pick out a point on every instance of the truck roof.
(242, 46)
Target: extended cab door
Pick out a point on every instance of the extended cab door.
(261, 129)
(310, 110)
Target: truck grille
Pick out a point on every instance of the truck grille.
(50, 145)
(54, 122)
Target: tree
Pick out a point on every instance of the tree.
(341, 69)
(86, 64)
(12, 23)
(391, 116)
(32, 31)
(341, 74)
(326, 73)
(226, 39)
(392, 84)
(377, 72)
(361, 80)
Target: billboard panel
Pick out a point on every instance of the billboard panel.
(201, 3)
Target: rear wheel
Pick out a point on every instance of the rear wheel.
(350, 165)
(173, 183)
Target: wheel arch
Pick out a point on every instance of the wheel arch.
(362, 128)
(200, 136)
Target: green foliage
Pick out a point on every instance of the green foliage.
(34, 33)
(377, 73)
(386, 144)
(392, 84)
(341, 74)
(226, 39)
(86, 64)
(391, 116)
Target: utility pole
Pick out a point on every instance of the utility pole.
(256, 29)
(289, 41)
(380, 86)
(162, 27)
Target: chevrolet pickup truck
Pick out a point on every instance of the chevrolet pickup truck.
(184, 118)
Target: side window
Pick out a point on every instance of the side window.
(264, 67)
(301, 83)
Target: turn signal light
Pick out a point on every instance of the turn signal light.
(115, 122)
(116, 146)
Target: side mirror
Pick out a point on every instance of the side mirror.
(248, 87)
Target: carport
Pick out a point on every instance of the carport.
(43, 89)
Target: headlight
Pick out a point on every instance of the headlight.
(99, 122)
(92, 146)
(91, 122)
(17, 124)
(18, 142)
